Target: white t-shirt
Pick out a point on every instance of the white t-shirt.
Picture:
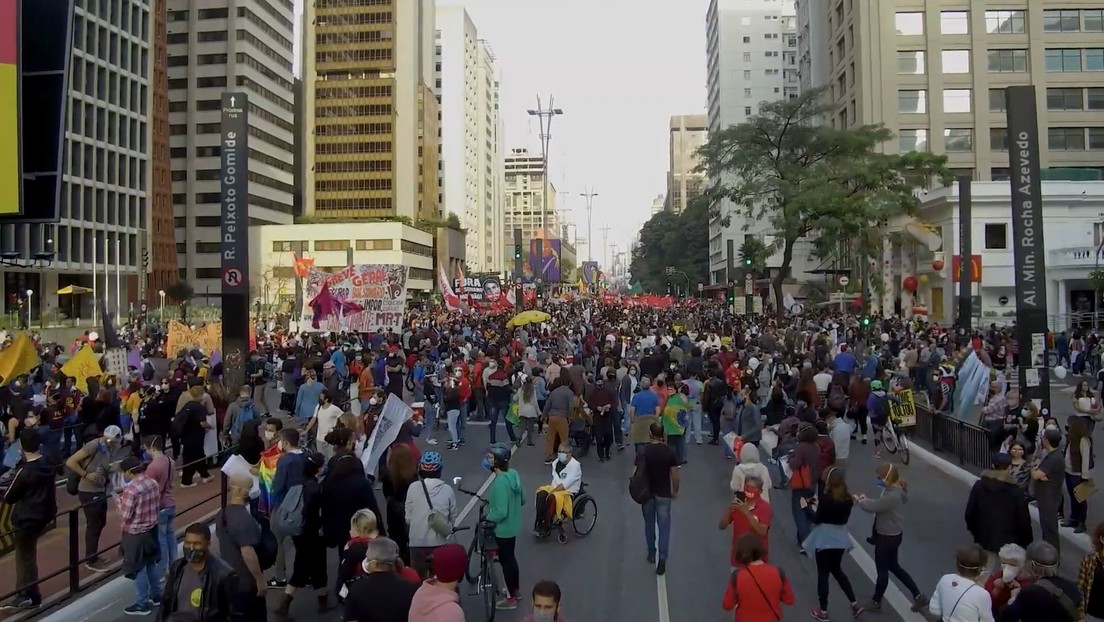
(822, 381)
(327, 417)
(957, 599)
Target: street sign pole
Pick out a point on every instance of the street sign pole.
(234, 249)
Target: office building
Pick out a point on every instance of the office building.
(658, 204)
(471, 158)
(687, 134)
(529, 206)
(371, 143)
(216, 46)
(934, 73)
(88, 178)
(751, 48)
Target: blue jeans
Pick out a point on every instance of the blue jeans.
(430, 418)
(695, 426)
(801, 520)
(497, 410)
(166, 539)
(462, 420)
(148, 585)
(657, 517)
(678, 443)
(453, 419)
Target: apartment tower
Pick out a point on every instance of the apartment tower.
(371, 140)
(687, 134)
(217, 46)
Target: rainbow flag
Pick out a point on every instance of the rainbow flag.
(266, 473)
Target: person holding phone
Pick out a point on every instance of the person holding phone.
(748, 513)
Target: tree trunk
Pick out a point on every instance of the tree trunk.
(783, 270)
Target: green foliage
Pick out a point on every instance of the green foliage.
(679, 241)
(428, 225)
(813, 294)
(180, 292)
(1096, 277)
(799, 176)
(756, 249)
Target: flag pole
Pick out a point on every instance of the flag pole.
(118, 279)
(95, 270)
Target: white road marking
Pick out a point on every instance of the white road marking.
(894, 596)
(487, 484)
(661, 589)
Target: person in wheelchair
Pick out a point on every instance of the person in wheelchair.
(555, 501)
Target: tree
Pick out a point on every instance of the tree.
(756, 249)
(787, 169)
(181, 292)
(679, 241)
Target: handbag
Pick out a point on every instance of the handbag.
(1084, 490)
(438, 521)
(640, 489)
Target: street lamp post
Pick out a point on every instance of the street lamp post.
(161, 293)
(671, 271)
(30, 294)
(589, 196)
(545, 116)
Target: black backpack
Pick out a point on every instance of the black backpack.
(180, 420)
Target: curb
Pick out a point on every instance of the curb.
(1081, 541)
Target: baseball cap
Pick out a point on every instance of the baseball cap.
(129, 464)
(877, 384)
(449, 562)
(112, 432)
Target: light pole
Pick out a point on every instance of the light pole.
(545, 116)
(671, 272)
(161, 293)
(589, 196)
(30, 294)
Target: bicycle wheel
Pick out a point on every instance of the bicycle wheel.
(585, 515)
(889, 439)
(488, 588)
(471, 572)
(903, 442)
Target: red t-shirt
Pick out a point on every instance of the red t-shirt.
(732, 376)
(746, 593)
(741, 525)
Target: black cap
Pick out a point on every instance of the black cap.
(1001, 461)
(129, 464)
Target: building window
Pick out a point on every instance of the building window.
(1062, 20)
(998, 139)
(954, 22)
(1065, 99)
(747, 39)
(913, 140)
(958, 140)
(910, 24)
(208, 248)
(747, 57)
(998, 174)
(996, 236)
(996, 100)
(1092, 20)
(747, 111)
(1095, 98)
(208, 273)
(331, 245)
(1063, 60)
(1007, 61)
(1004, 22)
(956, 100)
(910, 63)
(1066, 138)
(375, 245)
(913, 102)
(298, 246)
(1096, 138)
(956, 61)
(1094, 59)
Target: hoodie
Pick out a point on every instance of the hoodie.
(433, 603)
(232, 412)
(33, 492)
(750, 466)
(506, 498)
(417, 510)
(996, 513)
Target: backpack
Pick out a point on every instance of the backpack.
(728, 411)
(266, 548)
(639, 487)
(827, 452)
(180, 420)
(246, 414)
(438, 520)
(287, 520)
(148, 371)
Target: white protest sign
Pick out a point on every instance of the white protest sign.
(116, 359)
(395, 413)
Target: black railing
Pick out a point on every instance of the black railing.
(967, 442)
(71, 518)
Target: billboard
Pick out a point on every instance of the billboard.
(545, 265)
(483, 292)
(10, 173)
(362, 298)
(590, 272)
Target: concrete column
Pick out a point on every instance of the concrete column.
(872, 300)
(908, 268)
(889, 283)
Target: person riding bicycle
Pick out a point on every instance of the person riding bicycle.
(555, 500)
(878, 405)
(504, 500)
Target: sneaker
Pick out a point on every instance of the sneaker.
(454, 447)
(819, 614)
(661, 567)
(19, 602)
(651, 558)
(920, 603)
(432, 441)
(98, 566)
(873, 606)
(506, 604)
(856, 610)
(138, 610)
(155, 602)
(276, 584)
(192, 485)
(1080, 528)
(207, 480)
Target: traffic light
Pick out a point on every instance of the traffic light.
(731, 295)
(517, 251)
(747, 260)
(540, 293)
(866, 320)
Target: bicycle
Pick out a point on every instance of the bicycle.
(894, 439)
(487, 577)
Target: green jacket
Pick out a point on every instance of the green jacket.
(506, 498)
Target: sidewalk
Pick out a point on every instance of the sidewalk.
(53, 548)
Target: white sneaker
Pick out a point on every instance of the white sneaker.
(432, 441)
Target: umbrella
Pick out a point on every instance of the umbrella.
(74, 290)
(528, 317)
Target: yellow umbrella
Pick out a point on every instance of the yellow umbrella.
(74, 289)
(528, 317)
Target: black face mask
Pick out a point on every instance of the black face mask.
(194, 555)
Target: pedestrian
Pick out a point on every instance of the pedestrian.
(381, 594)
(138, 505)
(1009, 577)
(32, 495)
(546, 603)
(93, 464)
(290, 472)
(240, 545)
(1090, 582)
(529, 411)
(889, 530)
(806, 471)
(159, 468)
(452, 405)
(437, 599)
(675, 416)
(829, 541)
(190, 425)
(643, 409)
(748, 513)
(309, 565)
(602, 402)
(505, 499)
(401, 472)
(1050, 597)
(660, 466)
(958, 597)
(756, 590)
(324, 421)
(429, 500)
(1079, 462)
(839, 431)
(996, 512)
(750, 466)
(1049, 480)
(558, 409)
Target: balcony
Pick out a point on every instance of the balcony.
(1076, 257)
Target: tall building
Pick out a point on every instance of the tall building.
(158, 255)
(530, 206)
(86, 156)
(751, 48)
(217, 46)
(471, 158)
(688, 134)
(371, 140)
(945, 91)
(658, 204)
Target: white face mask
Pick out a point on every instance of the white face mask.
(374, 401)
(269, 435)
(1051, 426)
(1008, 572)
(563, 457)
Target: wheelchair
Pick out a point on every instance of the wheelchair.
(584, 516)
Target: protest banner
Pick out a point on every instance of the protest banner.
(362, 298)
(84, 365)
(395, 412)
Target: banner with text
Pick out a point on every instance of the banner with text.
(362, 298)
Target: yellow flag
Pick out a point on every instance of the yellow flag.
(83, 366)
(19, 358)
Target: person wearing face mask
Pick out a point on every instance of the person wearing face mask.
(888, 534)
(200, 584)
(245, 549)
(1049, 479)
(138, 505)
(505, 499)
(323, 422)
(958, 597)
(546, 603)
(159, 468)
(381, 595)
(33, 497)
(290, 472)
(603, 403)
(996, 512)
(93, 464)
(452, 404)
(556, 499)
(1050, 597)
(306, 399)
(1009, 577)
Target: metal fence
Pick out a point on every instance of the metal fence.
(967, 442)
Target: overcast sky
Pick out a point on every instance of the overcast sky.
(619, 69)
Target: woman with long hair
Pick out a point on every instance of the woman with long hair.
(1079, 464)
(858, 392)
(829, 541)
(529, 411)
(889, 532)
(401, 471)
(1086, 404)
